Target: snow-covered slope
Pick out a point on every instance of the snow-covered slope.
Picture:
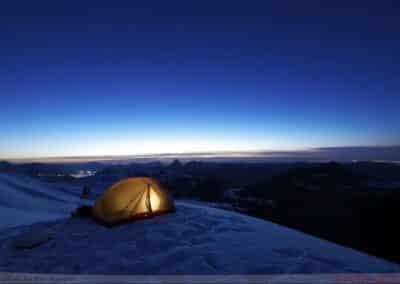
(196, 239)
(193, 240)
(24, 200)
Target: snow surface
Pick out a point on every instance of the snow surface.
(196, 239)
(193, 240)
(24, 200)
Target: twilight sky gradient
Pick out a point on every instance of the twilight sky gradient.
(84, 78)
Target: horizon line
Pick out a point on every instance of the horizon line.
(245, 154)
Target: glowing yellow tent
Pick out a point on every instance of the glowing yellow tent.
(130, 199)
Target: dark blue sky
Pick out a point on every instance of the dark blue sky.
(134, 77)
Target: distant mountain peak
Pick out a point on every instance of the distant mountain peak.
(176, 164)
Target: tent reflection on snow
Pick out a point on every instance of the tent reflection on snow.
(131, 199)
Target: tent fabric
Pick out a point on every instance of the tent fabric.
(131, 199)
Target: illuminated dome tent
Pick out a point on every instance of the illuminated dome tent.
(131, 199)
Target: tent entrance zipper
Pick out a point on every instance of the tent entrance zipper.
(148, 200)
